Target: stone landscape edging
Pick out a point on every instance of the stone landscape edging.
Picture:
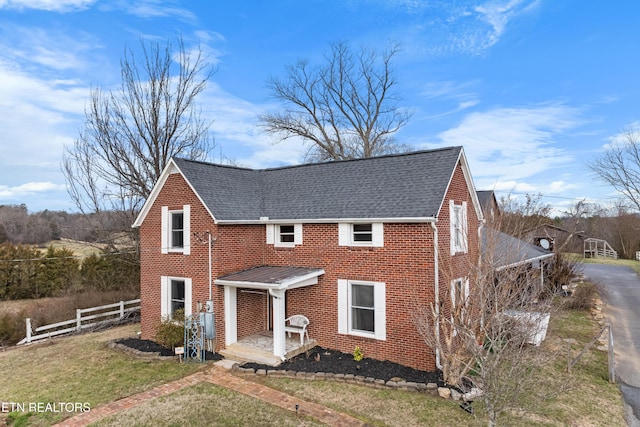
(429, 388)
(149, 355)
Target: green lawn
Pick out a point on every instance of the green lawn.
(83, 369)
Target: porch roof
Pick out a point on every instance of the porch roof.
(272, 277)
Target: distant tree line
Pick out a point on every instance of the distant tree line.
(619, 225)
(26, 272)
(19, 226)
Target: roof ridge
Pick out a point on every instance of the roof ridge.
(362, 159)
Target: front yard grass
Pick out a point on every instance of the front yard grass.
(206, 404)
(583, 397)
(83, 369)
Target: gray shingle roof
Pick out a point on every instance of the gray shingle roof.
(395, 186)
(271, 275)
(503, 250)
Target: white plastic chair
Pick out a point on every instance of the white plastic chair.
(298, 325)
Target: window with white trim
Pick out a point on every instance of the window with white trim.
(284, 235)
(175, 294)
(176, 230)
(361, 234)
(362, 309)
(459, 301)
(176, 240)
(458, 223)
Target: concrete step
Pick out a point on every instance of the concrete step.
(242, 353)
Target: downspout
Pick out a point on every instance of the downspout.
(436, 288)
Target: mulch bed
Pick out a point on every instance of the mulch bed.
(148, 346)
(319, 359)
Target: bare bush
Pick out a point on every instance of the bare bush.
(485, 335)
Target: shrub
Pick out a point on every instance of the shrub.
(12, 328)
(358, 354)
(560, 274)
(583, 297)
(170, 332)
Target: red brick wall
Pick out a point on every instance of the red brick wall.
(405, 264)
(457, 266)
(175, 194)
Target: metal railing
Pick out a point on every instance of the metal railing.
(122, 310)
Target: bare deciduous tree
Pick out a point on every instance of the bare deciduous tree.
(130, 133)
(483, 331)
(519, 216)
(346, 108)
(619, 166)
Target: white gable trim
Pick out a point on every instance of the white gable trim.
(462, 160)
(170, 169)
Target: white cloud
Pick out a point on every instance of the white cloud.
(156, 9)
(48, 5)
(442, 28)
(514, 143)
(498, 14)
(235, 130)
(513, 186)
(622, 137)
(30, 188)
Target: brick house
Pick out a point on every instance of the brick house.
(352, 245)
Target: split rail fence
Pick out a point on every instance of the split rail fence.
(112, 312)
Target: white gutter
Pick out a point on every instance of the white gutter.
(266, 220)
(524, 261)
(437, 289)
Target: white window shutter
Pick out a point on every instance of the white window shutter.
(343, 306)
(344, 234)
(377, 229)
(186, 215)
(452, 227)
(164, 229)
(297, 234)
(271, 232)
(380, 316)
(164, 296)
(464, 227)
(466, 291)
(187, 297)
(453, 293)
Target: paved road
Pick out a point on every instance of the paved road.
(622, 297)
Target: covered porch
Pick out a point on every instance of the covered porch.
(258, 348)
(268, 347)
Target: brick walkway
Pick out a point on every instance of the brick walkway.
(221, 377)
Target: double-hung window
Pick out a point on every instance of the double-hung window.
(459, 302)
(458, 222)
(175, 294)
(362, 309)
(361, 234)
(177, 230)
(176, 233)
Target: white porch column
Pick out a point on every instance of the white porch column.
(230, 315)
(279, 343)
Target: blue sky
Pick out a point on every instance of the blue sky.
(533, 89)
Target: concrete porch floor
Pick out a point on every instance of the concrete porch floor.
(258, 348)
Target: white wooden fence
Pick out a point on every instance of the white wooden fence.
(122, 309)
